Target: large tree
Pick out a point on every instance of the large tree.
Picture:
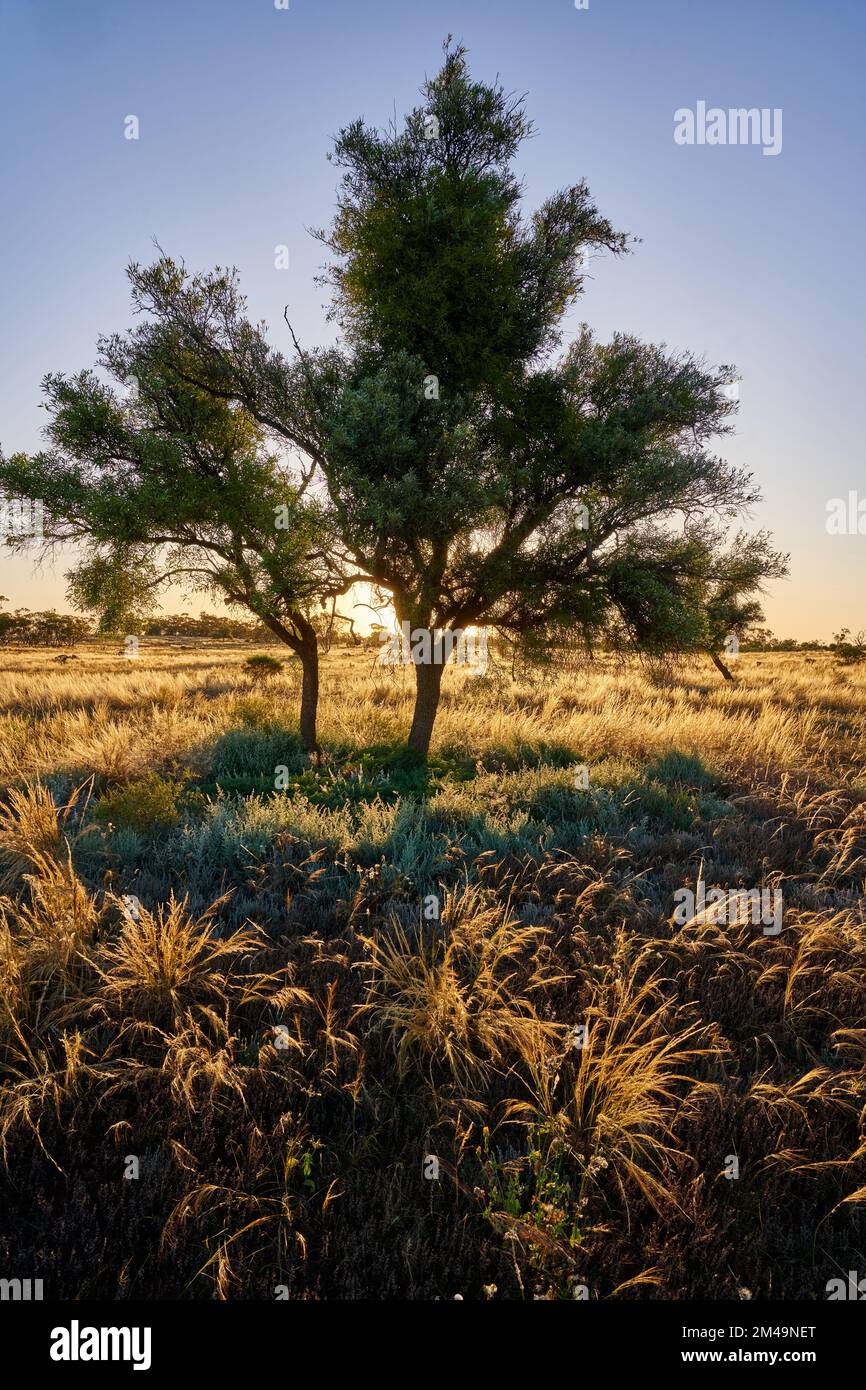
(479, 475)
(473, 470)
(572, 490)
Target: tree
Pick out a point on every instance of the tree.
(475, 476)
(849, 649)
(177, 486)
(469, 468)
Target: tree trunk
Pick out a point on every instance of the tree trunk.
(309, 696)
(428, 685)
(717, 662)
(304, 642)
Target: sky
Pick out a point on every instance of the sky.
(748, 258)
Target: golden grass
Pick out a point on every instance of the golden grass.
(166, 963)
(288, 1063)
(633, 1076)
(120, 718)
(459, 997)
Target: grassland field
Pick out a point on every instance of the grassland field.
(334, 1025)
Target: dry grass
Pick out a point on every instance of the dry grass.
(626, 1092)
(163, 965)
(249, 997)
(460, 996)
(121, 718)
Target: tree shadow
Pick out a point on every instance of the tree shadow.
(382, 807)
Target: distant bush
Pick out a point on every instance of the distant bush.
(263, 665)
(849, 650)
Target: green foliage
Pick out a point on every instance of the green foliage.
(434, 259)
(254, 752)
(147, 804)
(177, 484)
(116, 585)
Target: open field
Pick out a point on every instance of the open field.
(313, 994)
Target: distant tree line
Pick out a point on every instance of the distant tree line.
(48, 629)
(761, 639)
(23, 628)
(205, 625)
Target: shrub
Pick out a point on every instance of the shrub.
(263, 665)
(849, 650)
(148, 803)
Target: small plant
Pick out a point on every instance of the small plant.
(631, 1082)
(149, 803)
(262, 665)
(167, 962)
(32, 825)
(252, 711)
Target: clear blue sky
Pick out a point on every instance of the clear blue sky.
(749, 259)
